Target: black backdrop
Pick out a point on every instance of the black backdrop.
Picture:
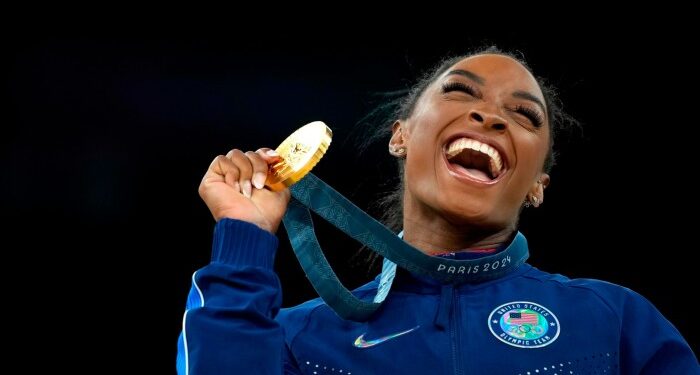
(106, 140)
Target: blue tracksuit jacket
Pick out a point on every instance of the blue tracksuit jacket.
(528, 322)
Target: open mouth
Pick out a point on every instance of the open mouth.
(476, 159)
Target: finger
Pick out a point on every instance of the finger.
(223, 169)
(259, 169)
(268, 154)
(245, 169)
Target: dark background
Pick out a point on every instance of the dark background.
(106, 139)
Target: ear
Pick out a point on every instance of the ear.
(397, 141)
(537, 190)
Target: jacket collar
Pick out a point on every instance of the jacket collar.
(410, 282)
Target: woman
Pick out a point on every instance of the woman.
(475, 141)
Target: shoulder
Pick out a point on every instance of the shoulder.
(616, 297)
(648, 342)
(297, 318)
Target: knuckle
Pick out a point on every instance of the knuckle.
(244, 166)
(262, 154)
(219, 160)
(236, 153)
(255, 158)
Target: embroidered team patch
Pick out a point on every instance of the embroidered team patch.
(524, 324)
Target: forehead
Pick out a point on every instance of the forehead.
(500, 71)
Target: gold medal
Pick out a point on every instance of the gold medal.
(299, 154)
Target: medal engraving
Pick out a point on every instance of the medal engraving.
(299, 153)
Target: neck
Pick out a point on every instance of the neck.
(434, 234)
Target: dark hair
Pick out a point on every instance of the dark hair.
(401, 105)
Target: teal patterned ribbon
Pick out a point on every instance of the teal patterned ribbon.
(312, 193)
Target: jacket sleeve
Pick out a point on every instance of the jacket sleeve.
(228, 326)
(650, 344)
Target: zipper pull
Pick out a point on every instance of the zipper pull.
(442, 317)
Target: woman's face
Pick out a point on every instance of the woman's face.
(476, 144)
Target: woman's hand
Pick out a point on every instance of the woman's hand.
(233, 187)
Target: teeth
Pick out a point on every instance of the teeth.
(492, 153)
(495, 170)
(457, 146)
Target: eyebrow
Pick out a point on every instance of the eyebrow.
(476, 78)
(527, 96)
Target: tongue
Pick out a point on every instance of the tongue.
(474, 173)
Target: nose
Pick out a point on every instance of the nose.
(488, 120)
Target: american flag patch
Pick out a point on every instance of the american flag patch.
(523, 318)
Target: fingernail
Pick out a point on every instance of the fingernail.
(259, 180)
(271, 153)
(247, 189)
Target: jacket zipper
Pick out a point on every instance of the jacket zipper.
(454, 333)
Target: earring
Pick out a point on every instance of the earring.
(532, 201)
(398, 151)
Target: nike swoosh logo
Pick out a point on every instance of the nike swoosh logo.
(360, 342)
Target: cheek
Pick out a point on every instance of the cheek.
(533, 149)
(536, 157)
(420, 169)
(541, 150)
(423, 150)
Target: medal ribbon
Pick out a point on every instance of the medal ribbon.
(312, 193)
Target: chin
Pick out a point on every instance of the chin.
(482, 215)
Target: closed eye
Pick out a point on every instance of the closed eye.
(460, 86)
(535, 117)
